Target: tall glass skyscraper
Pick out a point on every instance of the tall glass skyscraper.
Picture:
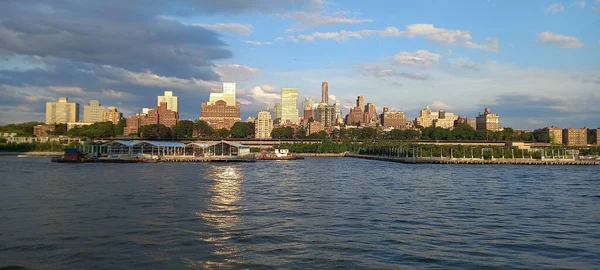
(289, 105)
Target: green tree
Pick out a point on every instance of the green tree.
(183, 129)
(120, 127)
(203, 129)
(22, 129)
(61, 129)
(321, 135)
(301, 133)
(368, 133)
(240, 130)
(540, 136)
(282, 133)
(463, 132)
(223, 133)
(96, 130)
(155, 131)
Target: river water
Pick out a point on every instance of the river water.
(314, 213)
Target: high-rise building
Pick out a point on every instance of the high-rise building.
(554, 133)
(171, 100)
(228, 95)
(325, 93)
(62, 112)
(325, 114)
(263, 125)
(338, 110)
(93, 112)
(472, 123)
(426, 117)
(278, 111)
(360, 102)
(393, 119)
(112, 115)
(445, 120)
(289, 106)
(575, 136)
(159, 115)
(488, 121)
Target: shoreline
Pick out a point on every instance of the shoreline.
(498, 161)
(320, 154)
(33, 154)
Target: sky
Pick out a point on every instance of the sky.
(535, 63)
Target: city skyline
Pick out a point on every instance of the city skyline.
(540, 68)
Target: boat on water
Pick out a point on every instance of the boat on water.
(277, 154)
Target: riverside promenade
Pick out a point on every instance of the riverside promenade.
(477, 161)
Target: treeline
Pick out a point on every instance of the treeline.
(199, 128)
(35, 147)
(327, 146)
(22, 129)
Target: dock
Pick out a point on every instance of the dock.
(477, 161)
(249, 158)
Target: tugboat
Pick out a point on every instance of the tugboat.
(71, 155)
(278, 154)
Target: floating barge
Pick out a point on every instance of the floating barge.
(477, 161)
(278, 154)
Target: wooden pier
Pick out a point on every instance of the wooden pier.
(476, 161)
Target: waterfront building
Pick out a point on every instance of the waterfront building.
(325, 93)
(221, 110)
(277, 112)
(112, 115)
(593, 137)
(315, 127)
(575, 136)
(488, 121)
(445, 120)
(62, 112)
(220, 115)
(228, 95)
(171, 100)
(289, 106)
(43, 130)
(393, 119)
(159, 115)
(555, 134)
(325, 114)
(362, 114)
(263, 126)
(472, 123)
(93, 112)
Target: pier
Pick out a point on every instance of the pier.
(477, 161)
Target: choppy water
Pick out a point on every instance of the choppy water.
(315, 213)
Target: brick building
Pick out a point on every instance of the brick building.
(159, 115)
(575, 136)
(593, 137)
(315, 127)
(393, 118)
(220, 115)
(43, 130)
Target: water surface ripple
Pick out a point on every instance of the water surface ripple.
(316, 213)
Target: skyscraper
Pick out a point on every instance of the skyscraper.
(278, 111)
(171, 100)
(62, 112)
(228, 95)
(360, 102)
(93, 112)
(263, 125)
(325, 93)
(289, 105)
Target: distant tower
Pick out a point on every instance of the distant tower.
(325, 93)
(289, 105)
(360, 103)
(171, 100)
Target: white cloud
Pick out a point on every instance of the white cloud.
(306, 20)
(427, 31)
(555, 8)
(279, 39)
(436, 104)
(383, 72)
(253, 42)
(66, 89)
(566, 42)
(149, 79)
(235, 72)
(465, 64)
(581, 3)
(265, 95)
(597, 9)
(423, 58)
(237, 28)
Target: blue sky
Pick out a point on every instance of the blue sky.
(536, 63)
